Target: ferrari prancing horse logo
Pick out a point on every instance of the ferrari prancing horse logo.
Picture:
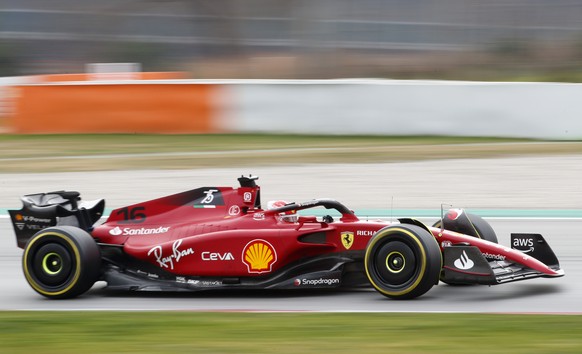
(347, 238)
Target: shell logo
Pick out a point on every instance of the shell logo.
(18, 217)
(259, 256)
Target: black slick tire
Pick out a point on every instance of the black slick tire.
(470, 224)
(61, 262)
(403, 261)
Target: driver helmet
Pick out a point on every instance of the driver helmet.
(287, 216)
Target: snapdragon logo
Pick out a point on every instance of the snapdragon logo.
(316, 282)
(117, 231)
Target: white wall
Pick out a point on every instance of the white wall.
(529, 110)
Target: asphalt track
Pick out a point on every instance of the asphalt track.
(543, 184)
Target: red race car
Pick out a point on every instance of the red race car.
(221, 238)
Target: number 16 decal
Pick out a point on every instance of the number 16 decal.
(132, 215)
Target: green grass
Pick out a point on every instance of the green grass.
(48, 153)
(156, 332)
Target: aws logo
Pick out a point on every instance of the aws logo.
(259, 256)
(524, 245)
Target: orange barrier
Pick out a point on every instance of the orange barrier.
(138, 75)
(115, 108)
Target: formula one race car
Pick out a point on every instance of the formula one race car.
(221, 238)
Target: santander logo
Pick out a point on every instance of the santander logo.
(115, 231)
(464, 262)
(127, 231)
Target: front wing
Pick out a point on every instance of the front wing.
(467, 265)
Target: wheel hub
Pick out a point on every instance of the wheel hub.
(52, 263)
(395, 262)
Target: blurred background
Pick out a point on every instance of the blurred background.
(508, 40)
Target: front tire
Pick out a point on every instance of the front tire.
(61, 262)
(469, 224)
(403, 261)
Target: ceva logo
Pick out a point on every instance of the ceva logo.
(216, 256)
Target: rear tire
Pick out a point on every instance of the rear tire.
(61, 262)
(403, 261)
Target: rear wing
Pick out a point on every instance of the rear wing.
(42, 210)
